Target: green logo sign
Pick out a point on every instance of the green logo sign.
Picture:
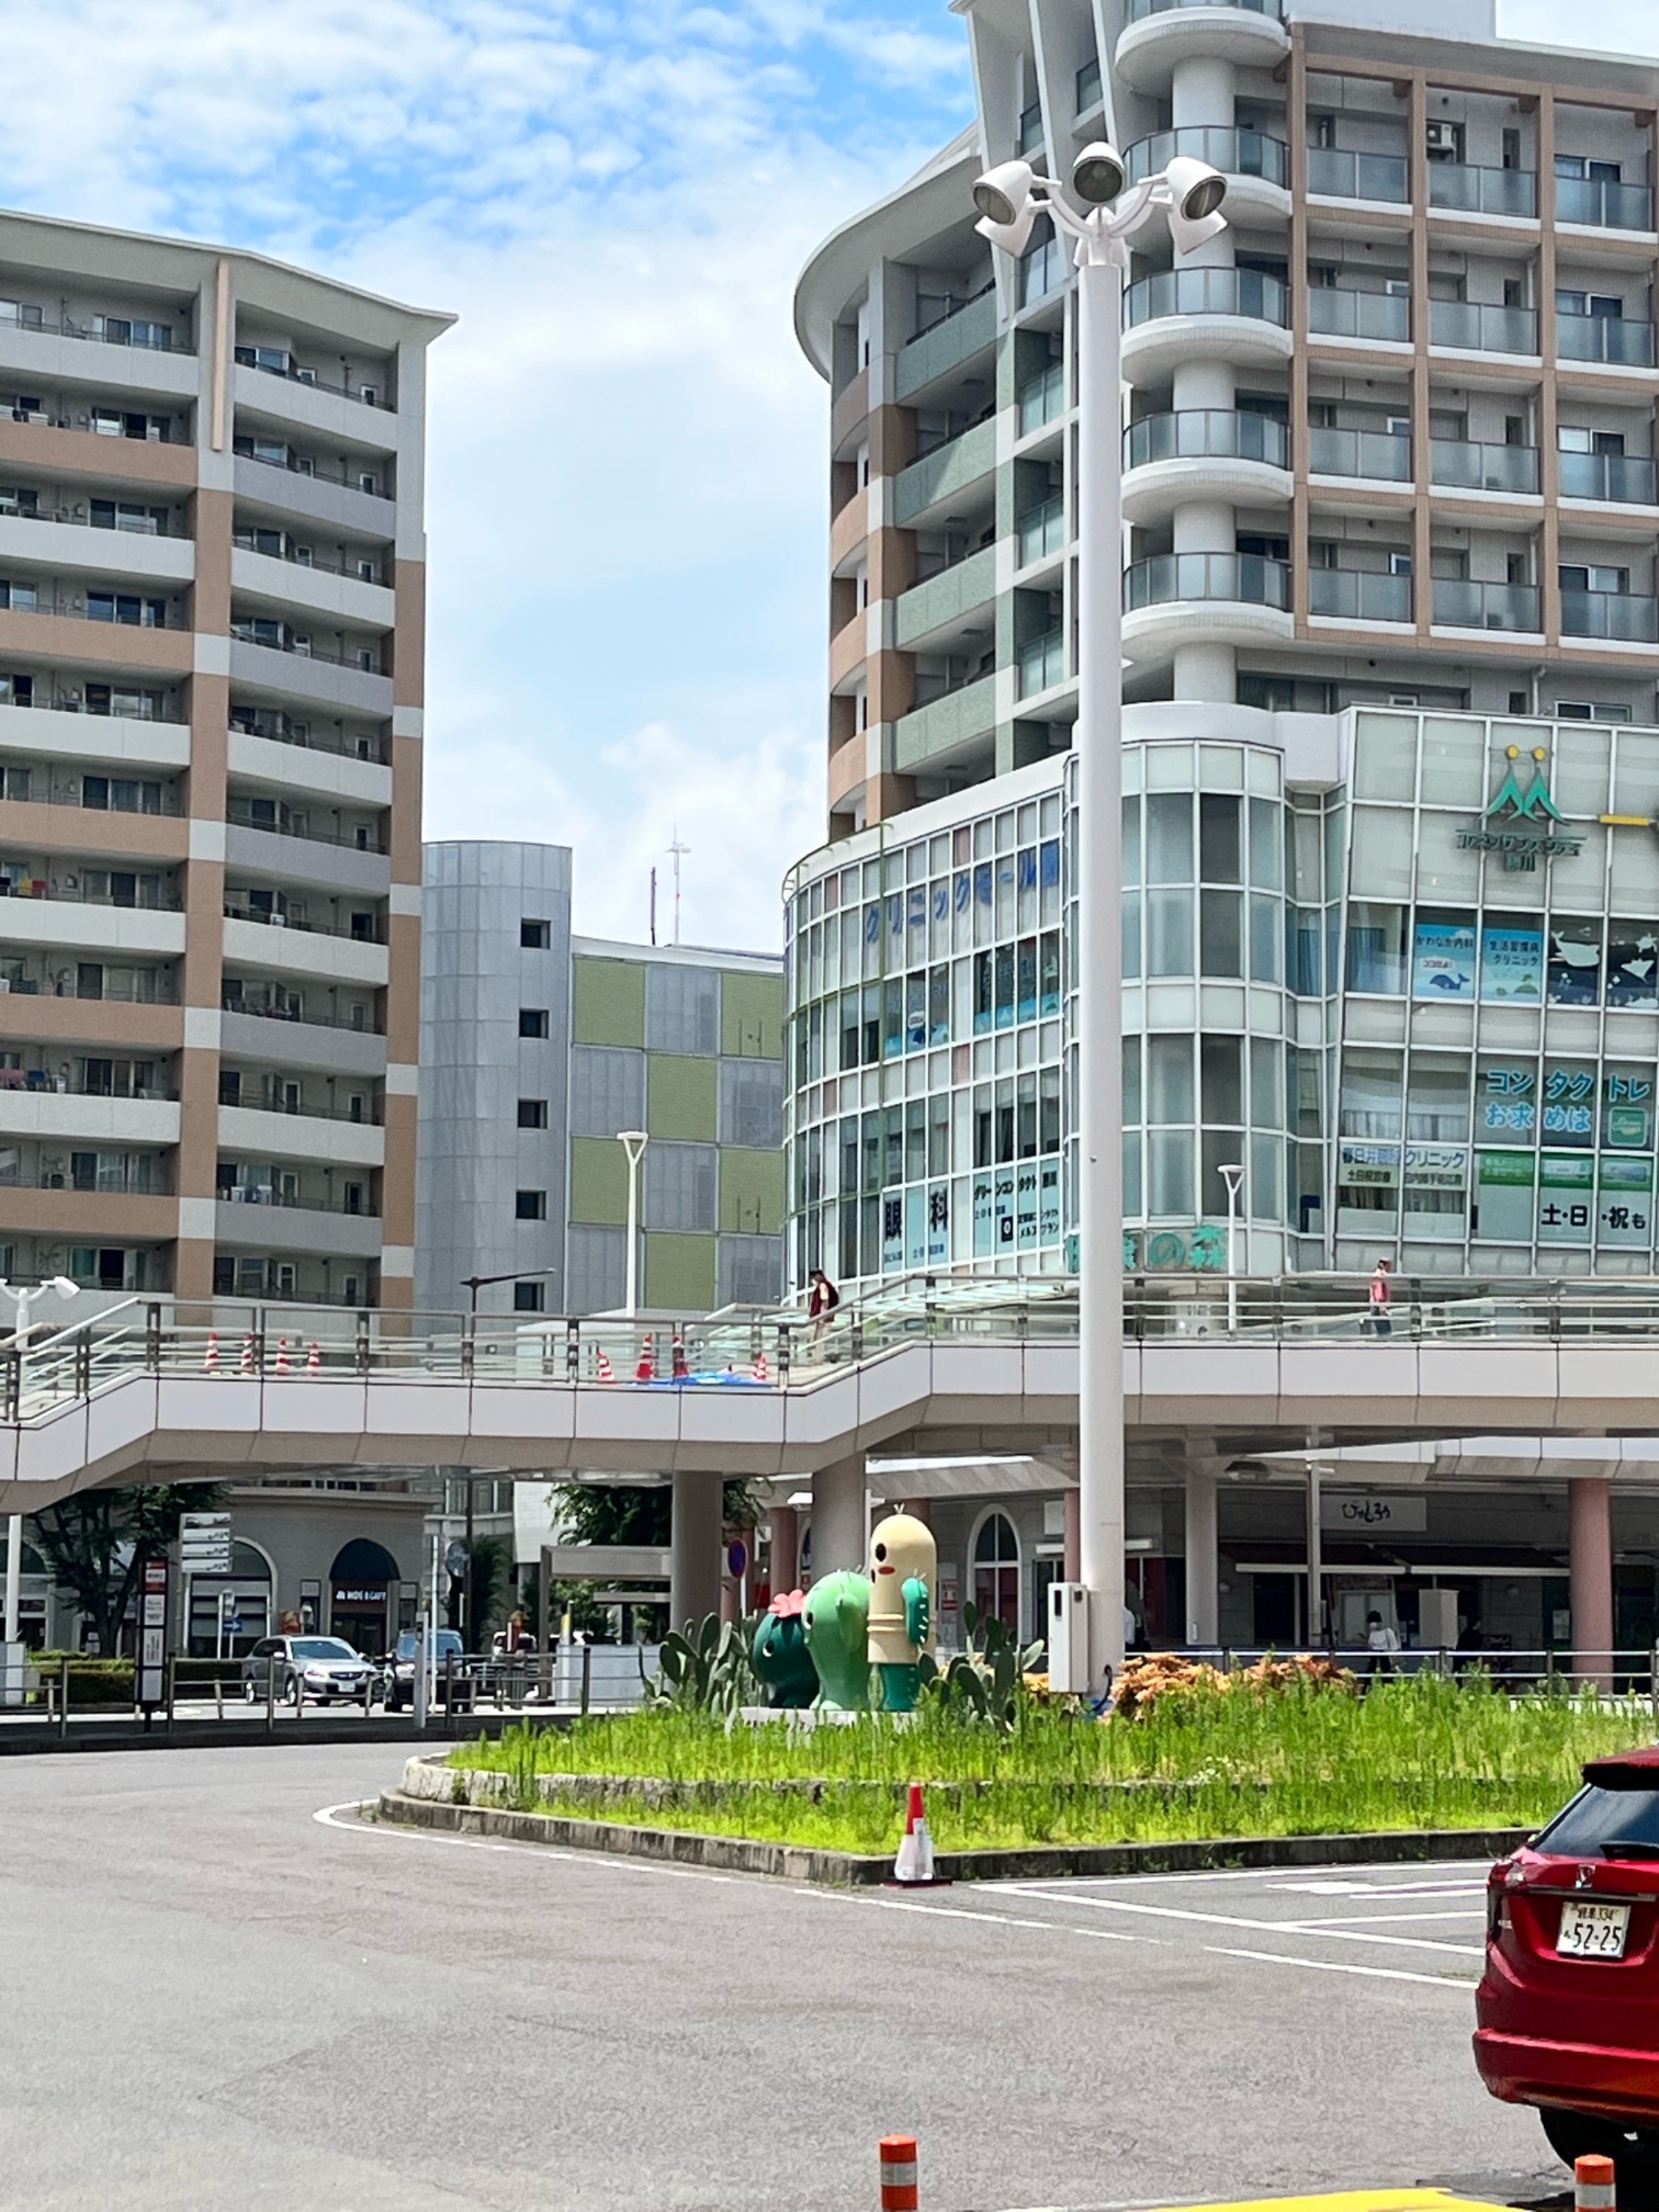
(1526, 805)
(1521, 848)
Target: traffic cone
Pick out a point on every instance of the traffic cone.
(759, 1370)
(314, 1358)
(603, 1371)
(647, 1370)
(248, 1353)
(210, 1357)
(1593, 2182)
(898, 2174)
(282, 1355)
(912, 1868)
(680, 1368)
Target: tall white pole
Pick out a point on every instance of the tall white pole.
(14, 1571)
(633, 1142)
(1098, 953)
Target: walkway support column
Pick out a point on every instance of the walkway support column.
(1072, 1503)
(1590, 1507)
(786, 1549)
(1203, 1569)
(694, 1557)
(840, 1517)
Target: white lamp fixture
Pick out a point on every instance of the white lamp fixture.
(1101, 214)
(633, 1142)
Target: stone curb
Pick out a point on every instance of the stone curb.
(799, 1862)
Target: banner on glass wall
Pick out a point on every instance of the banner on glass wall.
(1624, 1202)
(1566, 1187)
(1437, 1167)
(1048, 1203)
(938, 1224)
(1506, 1183)
(983, 1232)
(1375, 1166)
(1443, 960)
(1512, 965)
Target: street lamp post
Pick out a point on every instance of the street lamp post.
(633, 1142)
(1010, 199)
(1232, 1174)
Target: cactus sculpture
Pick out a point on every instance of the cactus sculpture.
(837, 1621)
(780, 1655)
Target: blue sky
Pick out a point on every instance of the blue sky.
(627, 488)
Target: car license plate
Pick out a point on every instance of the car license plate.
(1592, 1931)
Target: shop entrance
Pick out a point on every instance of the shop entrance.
(362, 1584)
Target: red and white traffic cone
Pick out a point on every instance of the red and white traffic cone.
(898, 2174)
(912, 1868)
(248, 1353)
(210, 1357)
(283, 1361)
(680, 1370)
(314, 1357)
(603, 1370)
(1593, 2182)
(647, 1370)
(759, 1370)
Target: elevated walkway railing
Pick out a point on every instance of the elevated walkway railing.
(770, 1349)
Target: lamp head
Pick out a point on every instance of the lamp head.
(1196, 189)
(64, 1287)
(1097, 175)
(1006, 208)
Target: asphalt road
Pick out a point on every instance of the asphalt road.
(212, 1998)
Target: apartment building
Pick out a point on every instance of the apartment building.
(538, 1048)
(1391, 636)
(211, 595)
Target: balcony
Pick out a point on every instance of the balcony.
(1461, 604)
(244, 814)
(1604, 338)
(1336, 175)
(156, 334)
(1043, 271)
(290, 1006)
(1041, 531)
(129, 987)
(1473, 326)
(1359, 595)
(1465, 465)
(373, 935)
(956, 722)
(1621, 618)
(270, 360)
(1043, 663)
(1336, 313)
(1245, 579)
(282, 729)
(1246, 292)
(1384, 456)
(1622, 478)
(1234, 153)
(945, 344)
(1602, 204)
(1043, 398)
(946, 473)
(281, 637)
(1138, 10)
(278, 545)
(276, 453)
(946, 599)
(1470, 190)
(1087, 87)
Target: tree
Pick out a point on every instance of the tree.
(95, 1544)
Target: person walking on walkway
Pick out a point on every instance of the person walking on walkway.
(1381, 1324)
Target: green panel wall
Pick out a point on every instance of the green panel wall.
(679, 1271)
(681, 1098)
(751, 1191)
(751, 1017)
(609, 1002)
(599, 1181)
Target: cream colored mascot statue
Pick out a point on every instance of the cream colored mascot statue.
(903, 1572)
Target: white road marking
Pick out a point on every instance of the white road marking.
(1394, 1919)
(1464, 1888)
(1327, 1879)
(1344, 1966)
(613, 1861)
(968, 1912)
(1267, 1927)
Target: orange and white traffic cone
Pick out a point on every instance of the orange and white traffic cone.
(898, 2174)
(647, 1370)
(248, 1353)
(603, 1371)
(314, 1357)
(912, 1868)
(759, 1370)
(1593, 2182)
(681, 1369)
(210, 1357)
(283, 1361)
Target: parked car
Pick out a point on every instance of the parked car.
(398, 1671)
(320, 1666)
(1568, 2008)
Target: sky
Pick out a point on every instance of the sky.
(628, 478)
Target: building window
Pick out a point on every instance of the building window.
(531, 1206)
(529, 1297)
(607, 1090)
(532, 1021)
(532, 1113)
(535, 936)
(682, 1009)
(996, 1571)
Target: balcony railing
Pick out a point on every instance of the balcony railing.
(141, 990)
(312, 1019)
(1624, 478)
(1605, 206)
(73, 793)
(23, 506)
(366, 393)
(287, 922)
(261, 1194)
(1462, 604)
(1359, 595)
(126, 610)
(1088, 87)
(246, 541)
(1626, 617)
(1477, 327)
(1604, 338)
(1467, 465)
(1042, 398)
(37, 1080)
(1041, 270)
(241, 817)
(259, 633)
(1207, 434)
(1336, 313)
(1042, 532)
(1139, 10)
(1248, 292)
(308, 465)
(1482, 191)
(1336, 174)
(1384, 455)
(1043, 663)
(47, 695)
(373, 1117)
(1236, 153)
(281, 730)
(156, 334)
(1249, 578)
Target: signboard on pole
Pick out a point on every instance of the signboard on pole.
(151, 1684)
(205, 1542)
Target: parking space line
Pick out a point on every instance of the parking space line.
(1401, 1919)
(613, 1861)
(969, 1912)
(1344, 1966)
(1267, 1927)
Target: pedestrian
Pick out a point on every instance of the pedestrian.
(1381, 1324)
(1382, 1643)
(821, 1298)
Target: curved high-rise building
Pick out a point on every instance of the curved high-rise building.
(1391, 649)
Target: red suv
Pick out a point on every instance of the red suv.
(1568, 2007)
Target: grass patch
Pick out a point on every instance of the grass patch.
(1418, 1752)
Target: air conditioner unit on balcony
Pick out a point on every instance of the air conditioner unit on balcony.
(1444, 141)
